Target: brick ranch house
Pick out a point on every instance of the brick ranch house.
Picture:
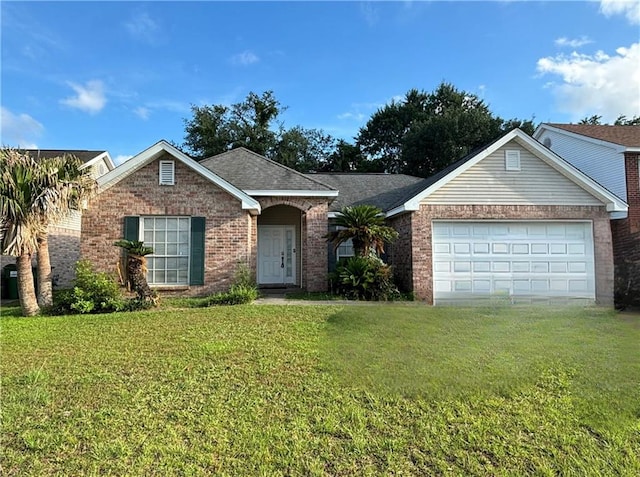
(611, 156)
(512, 219)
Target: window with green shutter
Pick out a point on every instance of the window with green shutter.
(178, 247)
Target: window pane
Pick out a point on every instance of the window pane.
(170, 238)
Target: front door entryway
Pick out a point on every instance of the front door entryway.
(276, 254)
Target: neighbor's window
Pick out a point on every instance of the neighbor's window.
(169, 237)
(345, 250)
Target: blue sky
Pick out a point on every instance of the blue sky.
(122, 75)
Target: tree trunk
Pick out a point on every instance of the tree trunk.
(136, 274)
(26, 289)
(45, 285)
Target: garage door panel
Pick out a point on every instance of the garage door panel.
(519, 259)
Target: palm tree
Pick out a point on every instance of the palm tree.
(67, 186)
(19, 196)
(33, 194)
(137, 268)
(364, 225)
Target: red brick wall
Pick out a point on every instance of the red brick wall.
(229, 235)
(314, 245)
(421, 254)
(626, 236)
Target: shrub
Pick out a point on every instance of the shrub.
(364, 278)
(237, 295)
(92, 292)
(243, 290)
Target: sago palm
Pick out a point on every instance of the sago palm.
(364, 225)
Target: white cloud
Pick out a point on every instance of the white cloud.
(370, 13)
(628, 8)
(89, 98)
(355, 116)
(142, 112)
(245, 58)
(573, 42)
(19, 130)
(596, 84)
(142, 27)
(119, 159)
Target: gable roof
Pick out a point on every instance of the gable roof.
(626, 136)
(258, 176)
(433, 183)
(89, 158)
(384, 191)
(159, 149)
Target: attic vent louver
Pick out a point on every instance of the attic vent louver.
(511, 160)
(167, 173)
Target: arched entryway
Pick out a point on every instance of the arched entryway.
(279, 247)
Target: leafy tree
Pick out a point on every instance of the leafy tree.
(304, 150)
(383, 136)
(621, 120)
(425, 132)
(217, 128)
(348, 158)
(364, 225)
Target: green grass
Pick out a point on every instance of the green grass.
(322, 390)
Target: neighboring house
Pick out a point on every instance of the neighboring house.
(611, 156)
(512, 220)
(64, 236)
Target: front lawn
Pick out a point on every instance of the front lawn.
(322, 390)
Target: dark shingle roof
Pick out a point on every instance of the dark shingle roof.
(84, 155)
(385, 191)
(250, 171)
(628, 136)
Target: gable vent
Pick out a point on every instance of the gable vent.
(511, 160)
(167, 173)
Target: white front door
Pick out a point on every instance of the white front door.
(276, 254)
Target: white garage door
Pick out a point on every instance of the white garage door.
(526, 261)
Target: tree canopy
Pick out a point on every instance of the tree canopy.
(419, 135)
(425, 132)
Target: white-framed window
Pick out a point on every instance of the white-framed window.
(167, 173)
(511, 160)
(170, 238)
(345, 250)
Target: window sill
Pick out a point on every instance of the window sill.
(170, 287)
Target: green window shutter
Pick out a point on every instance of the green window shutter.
(196, 274)
(132, 228)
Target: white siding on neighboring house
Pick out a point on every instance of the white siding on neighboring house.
(72, 221)
(487, 182)
(603, 164)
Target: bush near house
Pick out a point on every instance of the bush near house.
(364, 278)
